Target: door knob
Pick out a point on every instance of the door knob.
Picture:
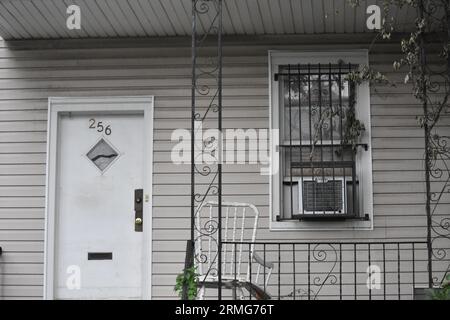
(138, 221)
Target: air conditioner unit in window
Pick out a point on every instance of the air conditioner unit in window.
(322, 195)
(320, 198)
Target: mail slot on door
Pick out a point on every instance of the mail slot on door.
(100, 256)
(138, 208)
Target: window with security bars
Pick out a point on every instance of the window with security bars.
(319, 177)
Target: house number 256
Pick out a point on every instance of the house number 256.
(94, 124)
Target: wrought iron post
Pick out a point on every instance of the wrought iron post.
(219, 54)
(423, 63)
(206, 151)
(441, 228)
(433, 82)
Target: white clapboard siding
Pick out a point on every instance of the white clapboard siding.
(30, 72)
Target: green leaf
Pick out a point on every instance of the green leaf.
(189, 279)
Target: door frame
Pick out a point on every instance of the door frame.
(123, 105)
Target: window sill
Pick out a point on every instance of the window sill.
(322, 225)
(327, 217)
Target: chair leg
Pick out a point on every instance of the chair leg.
(201, 293)
(241, 294)
(234, 292)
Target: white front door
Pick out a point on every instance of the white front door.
(99, 229)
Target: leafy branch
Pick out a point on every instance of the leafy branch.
(187, 280)
(354, 127)
(368, 74)
(442, 293)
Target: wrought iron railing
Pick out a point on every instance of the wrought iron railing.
(334, 270)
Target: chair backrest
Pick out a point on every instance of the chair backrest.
(240, 224)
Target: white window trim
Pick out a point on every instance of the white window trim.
(363, 158)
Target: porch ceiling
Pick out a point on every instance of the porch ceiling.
(46, 19)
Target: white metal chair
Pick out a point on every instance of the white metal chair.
(239, 224)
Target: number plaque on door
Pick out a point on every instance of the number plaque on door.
(138, 207)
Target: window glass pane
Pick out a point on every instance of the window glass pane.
(102, 155)
(311, 164)
(323, 111)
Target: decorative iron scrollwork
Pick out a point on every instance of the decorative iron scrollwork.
(206, 171)
(435, 95)
(321, 253)
(440, 223)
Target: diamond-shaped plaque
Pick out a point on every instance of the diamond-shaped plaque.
(102, 154)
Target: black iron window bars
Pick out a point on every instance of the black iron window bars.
(319, 170)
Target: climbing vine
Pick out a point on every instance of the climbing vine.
(354, 127)
(425, 62)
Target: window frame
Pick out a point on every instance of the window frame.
(363, 158)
